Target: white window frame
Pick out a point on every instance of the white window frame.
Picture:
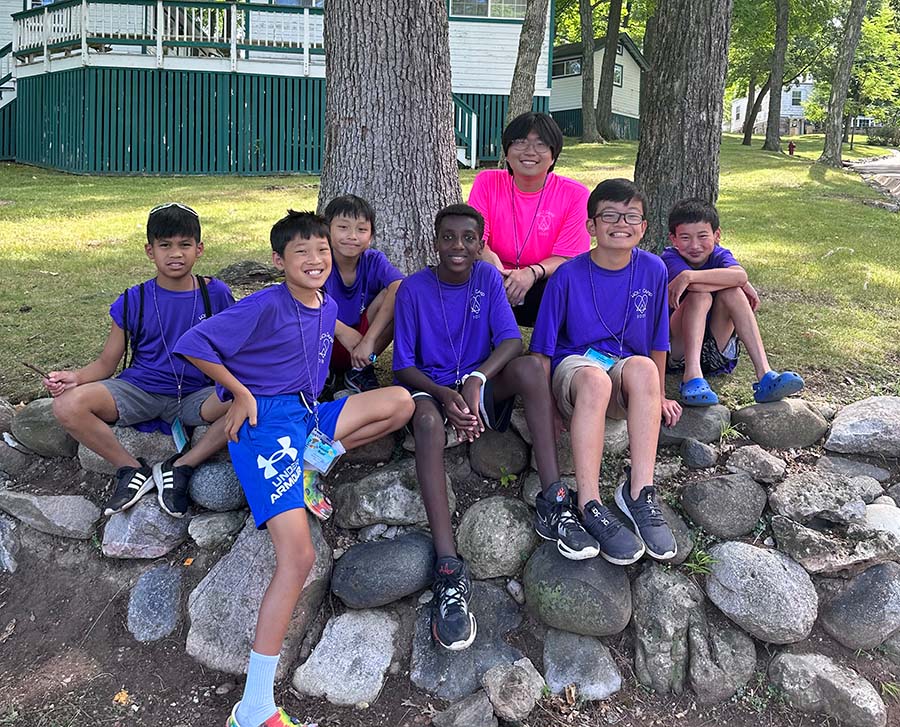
(490, 15)
(619, 71)
(566, 72)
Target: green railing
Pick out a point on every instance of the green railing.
(465, 129)
(6, 65)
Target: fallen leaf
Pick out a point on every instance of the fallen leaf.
(570, 694)
(7, 632)
(121, 698)
(188, 562)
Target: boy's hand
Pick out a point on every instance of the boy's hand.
(752, 296)
(458, 414)
(242, 409)
(361, 355)
(59, 381)
(677, 288)
(671, 412)
(471, 392)
(517, 284)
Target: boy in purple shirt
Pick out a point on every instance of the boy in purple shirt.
(270, 353)
(363, 283)
(713, 307)
(457, 347)
(154, 384)
(602, 334)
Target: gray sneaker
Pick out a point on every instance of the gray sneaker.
(647, 518)
(618, 544)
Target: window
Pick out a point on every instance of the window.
(796, 98)
(618, 75)
(737, 114)
(570, 67)
(619, 48)
(489, 8)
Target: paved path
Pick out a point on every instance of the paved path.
(883, 173)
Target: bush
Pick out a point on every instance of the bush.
(888, 135)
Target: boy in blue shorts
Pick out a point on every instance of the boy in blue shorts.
(713, 307)
(270, 354)
(602, 334)
(363, 283)
(457, 347)
(154, 384)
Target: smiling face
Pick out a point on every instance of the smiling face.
(306, 263)
(174, 258)
(620, 235)
(458, 245)
(350, 236)
(695, 241)
(530, 158)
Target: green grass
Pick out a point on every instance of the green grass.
(827, 266)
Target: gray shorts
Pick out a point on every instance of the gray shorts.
(136, 405)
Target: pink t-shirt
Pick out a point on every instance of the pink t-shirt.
(514, 223)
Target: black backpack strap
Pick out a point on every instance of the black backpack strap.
(139, 324)
(125, 327)
(204, 292)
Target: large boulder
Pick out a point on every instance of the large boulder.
(68, 516)
(781, 424)
(722, 660)
(7, 412)
(154, 606)
(697, 455)
(867, 610)
(809, 496)
(683, 538)
(496, 454)
(703, 423)
(728, 506)
(152, 447)
(37, 428)
(144, 531)
(377, 452)
(851, 467)
(580, 660)
(758, 463)
(513, 689)
(215, 486)
(496, 536)
(14, 462)
(870, 426)
(211, 529)
(884, 517)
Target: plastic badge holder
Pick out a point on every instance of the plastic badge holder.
(604, 359)
(321, 451)
(179, 435)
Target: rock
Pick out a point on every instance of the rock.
(373, 574)
(247, 272)
(727, 506)
(580, 660)
(7, 412)
(513, 689)
(807, 496)
(891, 648)
(814, 683)
(450, 439)
(152, 447)
(210, 529)
(349, 663)
(516, 590)
(496, 536)
(883, 517)
(785, 424)
(472, 711)
(13, 461)
(758, 463)
(453, 674)
(894, 492)
(698, 455)
(389, 495)
(155, 603)
(867, 610)
(589, 597)
(722, 661)
(532, 486)
(495, 454)
(372, 532)
(851, 468)
(215, 486)
(683, 539)
(870, 426)
(705, 424)
(144, 531)
(763, 591)
(884, 500)
(377, 452)
(68, 516)
(223, 625)
(9, 544)
(37, 428)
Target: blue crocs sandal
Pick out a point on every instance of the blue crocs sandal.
(774, 386)
(696, 392)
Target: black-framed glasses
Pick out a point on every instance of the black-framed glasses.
(611, 217)
(180, 206)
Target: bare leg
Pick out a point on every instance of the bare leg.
(215, 438)
(428, 429)
(591, 389)
(372, 414)
(387, 335)
(86, 412)
(732, 314)
(692, 317)
(640, 386)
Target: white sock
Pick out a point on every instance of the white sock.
(258, 702)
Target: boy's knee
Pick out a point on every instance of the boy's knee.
(591, 384)
(427, 421)
(641, 371)
(299, 562)
(69, 406)
(694, 299)
(732, 297)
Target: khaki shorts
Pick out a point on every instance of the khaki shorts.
(565, 374)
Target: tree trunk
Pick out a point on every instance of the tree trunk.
(681, 122)
(750, 121)
(607, 74)
(845, 134)
(588, 121)
(531, 38)
(751, 99)
(773, 123)
(840, 82)
(389, 134)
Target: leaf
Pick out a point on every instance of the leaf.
(188, 562)
(122, 698)
(571, 694)
(7, 632)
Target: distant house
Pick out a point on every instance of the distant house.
(565, 97)
(793, 118)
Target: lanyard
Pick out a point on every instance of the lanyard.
(462, 335)
(309, 371)
(179, 378)
(632, 264)
(515, 224)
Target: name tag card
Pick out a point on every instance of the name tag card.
(321, 451)
(604, 359)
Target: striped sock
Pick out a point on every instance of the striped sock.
(258, 702)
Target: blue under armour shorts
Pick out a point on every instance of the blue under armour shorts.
(268, 458)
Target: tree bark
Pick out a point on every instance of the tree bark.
(840, 82)
(773, 123)
(389, 120)
(750, 121)
(751, 99)
(588, 120)
(607, 74)
(681, 122)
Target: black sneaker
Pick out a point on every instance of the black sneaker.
(360, 380)
(452, 626)
(172, 486)
(555, 519)
(647, 519)
(618, 544)
(132, 483)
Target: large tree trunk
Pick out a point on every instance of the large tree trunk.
(840, 82)
(588, 121)
(607, 74)
(750, 121)
(389, 135)
(751, 97)
(681, 122)
(773, 123)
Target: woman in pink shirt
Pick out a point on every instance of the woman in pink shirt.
(534, 220)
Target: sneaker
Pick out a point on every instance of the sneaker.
(315, 500)
(647, 519)
(452, 626)
(359, 380)
(279, 719)
(555, 519)
(132, 483)
(172, 486)
(618, 544)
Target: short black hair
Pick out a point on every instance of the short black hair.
(172, 220)
(543, 125)
(615, 190)
(349, 205)
(691, 210)
(459, 210)
(305, 225)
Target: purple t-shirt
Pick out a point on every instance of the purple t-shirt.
(374, 273)
(568, 322)
(272, 343)
(720, 257)
(438, 325)
(167, 315)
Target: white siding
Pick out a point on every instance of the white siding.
(566, 92)
(7, 8)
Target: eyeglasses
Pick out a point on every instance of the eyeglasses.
(611, 217)
(180, 206)
(522, 144)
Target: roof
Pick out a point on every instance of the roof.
(571, 50)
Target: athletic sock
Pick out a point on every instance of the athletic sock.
(258, 702)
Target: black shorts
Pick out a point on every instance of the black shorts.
(526, 314)
(713, 362)
(496, 415)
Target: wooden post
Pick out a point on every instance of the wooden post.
(232, 13)
(305, 41)
(84, 23)
(473, 144)
(160, 19)
(46, 36)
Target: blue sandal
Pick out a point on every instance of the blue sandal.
(774, 386)
(696, 392)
